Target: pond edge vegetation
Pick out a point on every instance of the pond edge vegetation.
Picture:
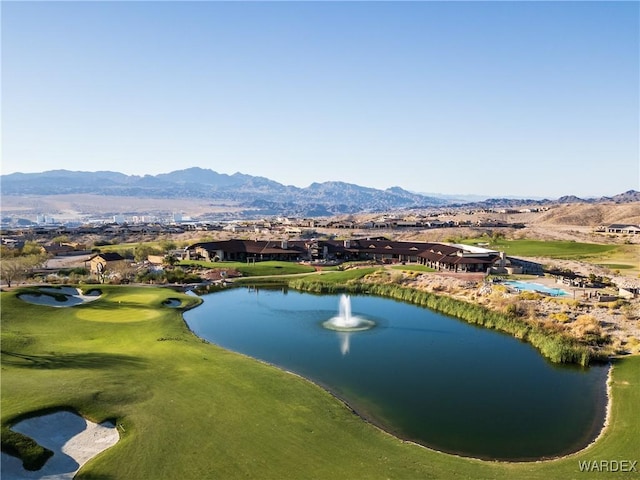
(555, 346)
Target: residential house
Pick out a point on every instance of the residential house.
(105, 261)
(624, 229)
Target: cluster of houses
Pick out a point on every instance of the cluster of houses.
(281, 225)
(455, 258)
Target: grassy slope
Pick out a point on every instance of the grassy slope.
(625, 258)
(257, 269)
(616, 257)
(413, 268)
(549, 248)
(193, 410)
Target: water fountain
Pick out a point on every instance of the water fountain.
(345, 321)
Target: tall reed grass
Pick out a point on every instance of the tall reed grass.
(555, 346)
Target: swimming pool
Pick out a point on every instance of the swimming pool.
(536, 287)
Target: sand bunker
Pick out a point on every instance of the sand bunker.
(60, 297)
(172, 303)
(72, 439)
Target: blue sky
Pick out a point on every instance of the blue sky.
(537, 99)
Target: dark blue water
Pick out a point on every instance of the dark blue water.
(421, 375)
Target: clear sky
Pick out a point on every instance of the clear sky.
(500, 98)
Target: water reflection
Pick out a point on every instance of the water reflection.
(345, 342)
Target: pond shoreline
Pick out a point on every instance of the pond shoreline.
(370, 420)
(590, 440)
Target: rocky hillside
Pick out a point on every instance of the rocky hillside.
(630, 196)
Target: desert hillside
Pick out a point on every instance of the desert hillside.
(584, 214)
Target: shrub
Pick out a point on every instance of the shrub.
(587, 326)
(629, 311)
(560, 317)
(530, 295)
(633, 345)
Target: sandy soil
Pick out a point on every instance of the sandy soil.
(70, 261)
(73, 440)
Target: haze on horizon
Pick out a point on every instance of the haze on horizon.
(490, 98)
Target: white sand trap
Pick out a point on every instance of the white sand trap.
(73, 296)
(72, 439)
(62, 290)
(172, 302)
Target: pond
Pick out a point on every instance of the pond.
(418, 374)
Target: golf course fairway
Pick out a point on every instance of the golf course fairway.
(188, 409)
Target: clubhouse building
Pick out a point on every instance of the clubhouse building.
(440, 256)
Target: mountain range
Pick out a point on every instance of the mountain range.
(256, 194)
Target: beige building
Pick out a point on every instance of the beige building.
(105, 261)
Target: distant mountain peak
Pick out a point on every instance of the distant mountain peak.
(570, 199)
(628, 196)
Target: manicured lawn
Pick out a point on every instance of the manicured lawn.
(123, 247)
(257, 269)
(616, 266)
(192, 410)
(625, 258)
(339, 278)
(615, 257)
(548, 248)
(413, 268)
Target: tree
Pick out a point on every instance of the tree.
(35, 261)
(497, 236)
(124, 270)
(60, 239)
(8, 252)
(12, 270)
(32, 248)
(16, 269)
(167, 245)
(170, 260)
(141, 252)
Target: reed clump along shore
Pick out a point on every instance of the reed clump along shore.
(555, 344)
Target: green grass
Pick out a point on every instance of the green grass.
(123, 247)
(257, 269)
(337, 279)
(616, 266)
(548, 248)
(413, 268)
(191, 410)
(616, 257)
